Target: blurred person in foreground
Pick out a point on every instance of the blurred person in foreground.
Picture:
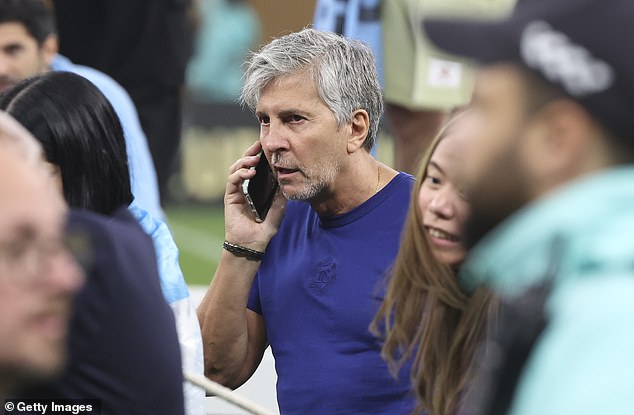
(305, 280)
(426, 315)
(38, 276)
(550, 184)
(29, 47)
(85, 153)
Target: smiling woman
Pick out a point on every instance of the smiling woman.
(441, 199)
(426, 315)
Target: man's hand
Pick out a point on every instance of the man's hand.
(240, 226)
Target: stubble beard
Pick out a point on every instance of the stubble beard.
(498, 193)
(22, 375)
(317, 180)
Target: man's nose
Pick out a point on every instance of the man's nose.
(5, 65)
(273, 137)
(65, 276)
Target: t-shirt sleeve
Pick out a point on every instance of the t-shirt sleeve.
(254, 296)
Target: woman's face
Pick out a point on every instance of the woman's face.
(442, 202)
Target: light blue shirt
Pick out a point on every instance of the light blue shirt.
(177, 296)
(172, 279)
(361, 21)
(582, 362)
(142, 173)
(228, 31)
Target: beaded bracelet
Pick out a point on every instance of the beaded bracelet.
(242, 251)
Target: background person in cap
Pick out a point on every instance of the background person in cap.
(551, 187)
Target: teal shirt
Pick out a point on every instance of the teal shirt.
(583, 362)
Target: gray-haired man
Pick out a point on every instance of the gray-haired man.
(313, 292)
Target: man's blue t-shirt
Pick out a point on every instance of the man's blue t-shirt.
(318, 289)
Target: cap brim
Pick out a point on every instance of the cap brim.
(482, 41)
(490, 41)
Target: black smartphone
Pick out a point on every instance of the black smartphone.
(260, 190)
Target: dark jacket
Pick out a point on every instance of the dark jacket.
(123, 347)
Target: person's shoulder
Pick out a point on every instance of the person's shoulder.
(157, 230)
(118, 313)
(150, 224)
(405, 178)
(115, 93)
(610, 294)
(402, 183)
(117, 256)
(113, 241)
(120, 223)
(587, 337)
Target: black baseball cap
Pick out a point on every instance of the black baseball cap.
(586, 47)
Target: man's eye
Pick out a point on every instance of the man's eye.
(13, 49)
(18, 250)
(264, 119)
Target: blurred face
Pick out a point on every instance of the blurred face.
(497, 179)
(38, 277)
(20, 55)
(300, 137)
(442, 201)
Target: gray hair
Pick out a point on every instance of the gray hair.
(344, 72)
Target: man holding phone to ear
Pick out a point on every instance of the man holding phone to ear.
(306, 279)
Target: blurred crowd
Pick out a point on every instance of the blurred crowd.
(483, 266)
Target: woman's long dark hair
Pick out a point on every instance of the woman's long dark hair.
(80, 133)
(427, 317)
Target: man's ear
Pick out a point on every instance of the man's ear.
(560, 143)
(49, 49)
(360, 127)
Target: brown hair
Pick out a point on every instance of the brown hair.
(427, 315)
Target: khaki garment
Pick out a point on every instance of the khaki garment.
(418, 75)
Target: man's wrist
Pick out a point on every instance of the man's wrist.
(243, 251)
